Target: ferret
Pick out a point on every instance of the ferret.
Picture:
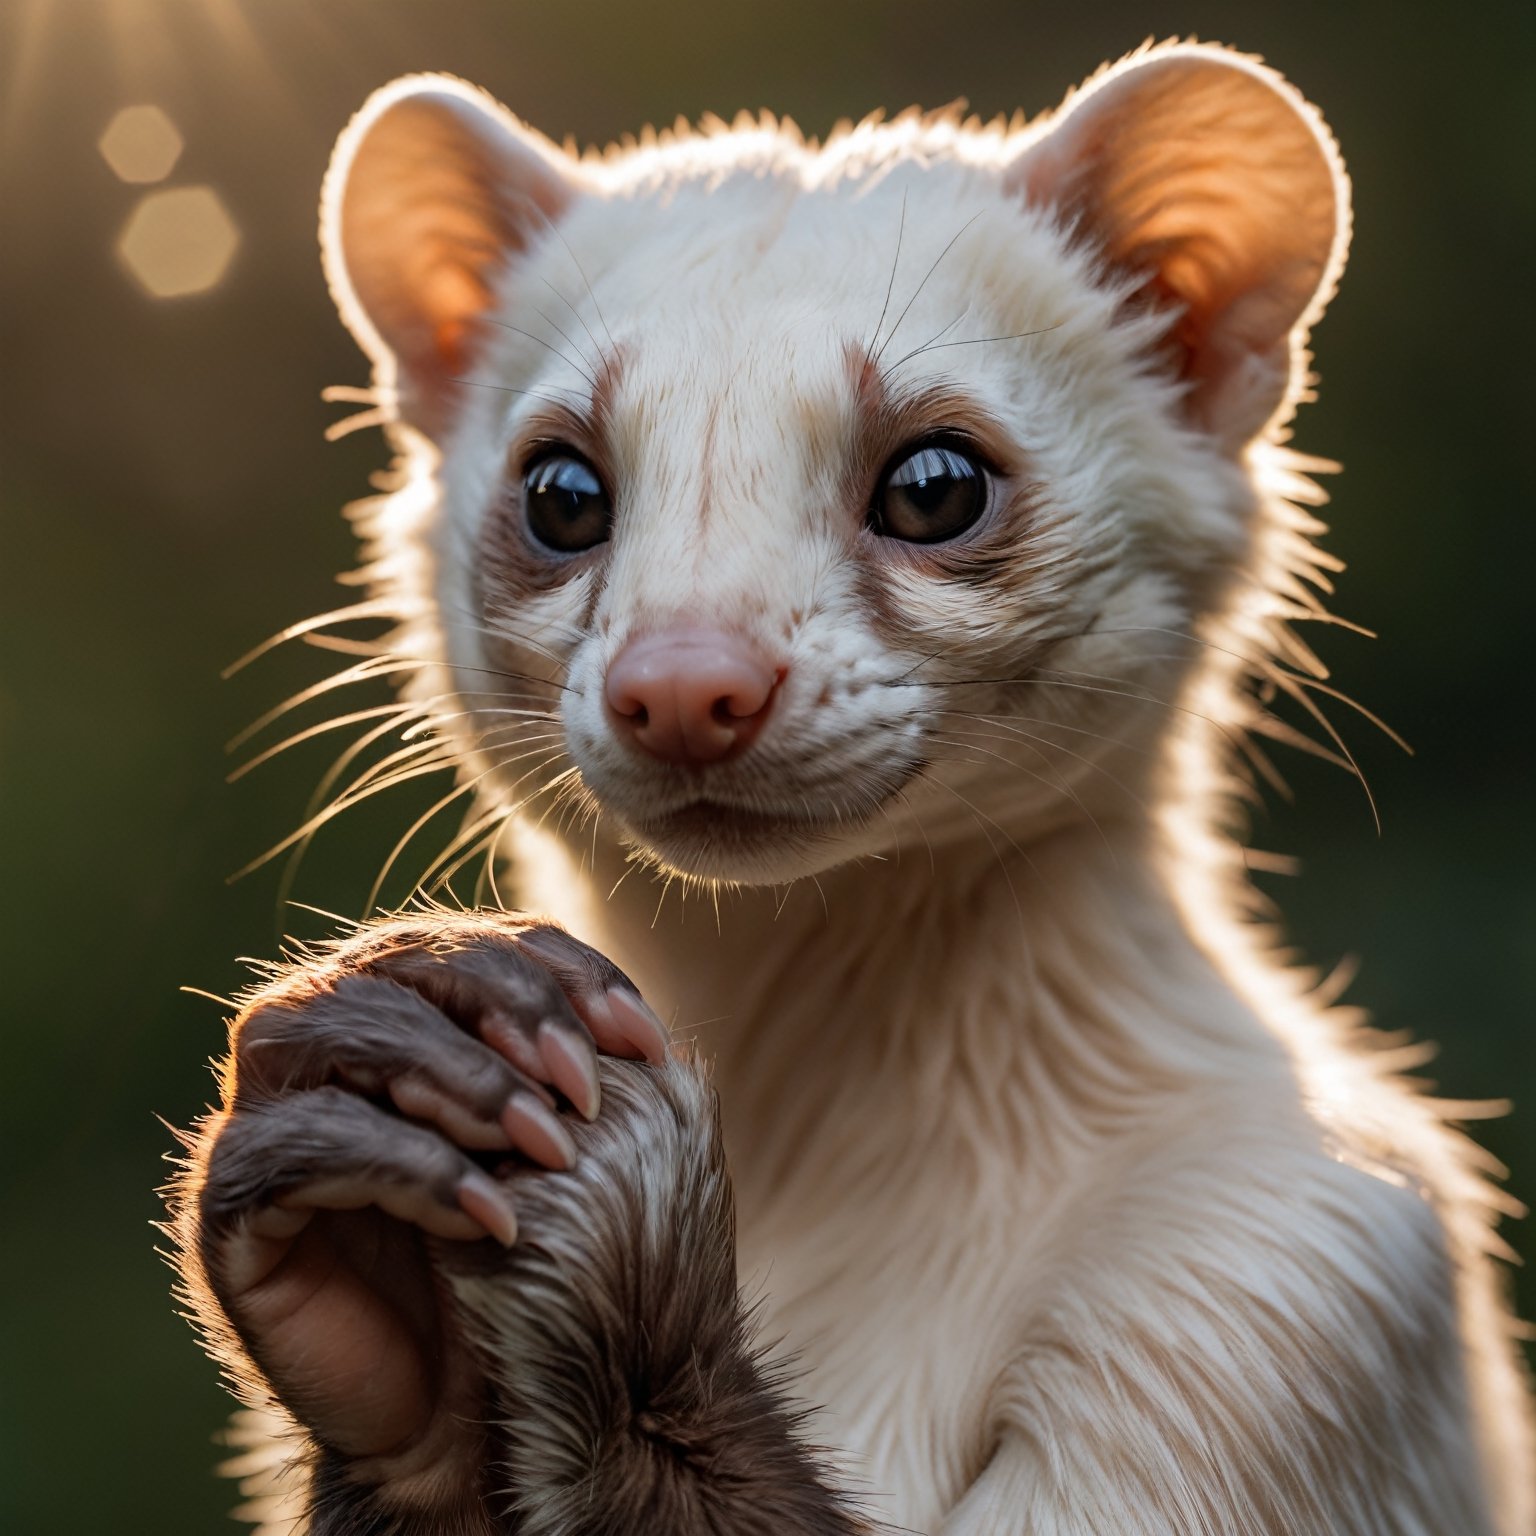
(844, 576)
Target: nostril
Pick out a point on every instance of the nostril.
(747, 698)
(733, 708)
(690, 695)
(626, 699)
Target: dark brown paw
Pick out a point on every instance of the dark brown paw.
(400, 1007)
(370, 1099)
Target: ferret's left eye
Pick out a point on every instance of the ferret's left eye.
(930, 494)
(568, 510)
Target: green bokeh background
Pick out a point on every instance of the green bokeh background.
(166, 501)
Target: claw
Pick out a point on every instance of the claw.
(503, 1035)
(537, 1130)
(635, 1020)
(572, 1069)
(481, 1198)
(624, 1025)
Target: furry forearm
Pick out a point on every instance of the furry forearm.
(630, 1394)
(598, 1375)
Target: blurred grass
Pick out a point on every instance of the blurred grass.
(166, 501)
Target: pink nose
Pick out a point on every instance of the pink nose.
(690, 695)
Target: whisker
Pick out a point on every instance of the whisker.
(364, 671)
(410, 832)
(1054, 725)
(666, 886)
(496, 813)
(1276, 729)
(922, 661)
(597, 816)
(981, 819)
(322, 790)
(1260, 761)
(975, 341)
(516, 637)
(420, 751)
(506, 325)
(343, 646)
(890, 284)
(1061, 788)
(1333, 693)
(1035, 680)
(436, 724)
(564, 335)
(905, 799)
(1268, 668)
(337, 806)
(463, 846)
(630, 866)
(1040, 742)
(544, 789)
(475, 836)
(586, 282)
(1313, 709)
(936, 335)
(490, 863)
(581, 319)
(436, 719)
(396, 710)
(535, 394)
(373, 608)
(474, 624)
(433, 756)
(514, 677)
(545, 754)
(918, 290)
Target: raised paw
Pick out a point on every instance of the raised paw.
(399, 1008)
(370, 1098)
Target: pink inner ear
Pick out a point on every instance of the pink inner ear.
(1213, 182)
(434, 189)
(451, 299)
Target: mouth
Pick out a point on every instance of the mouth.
(718, 839)
(799, 820)
(723, 821)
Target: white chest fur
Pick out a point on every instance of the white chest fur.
(956, 1098)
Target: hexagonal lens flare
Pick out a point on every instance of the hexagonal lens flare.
(141, 144)
(178, 241)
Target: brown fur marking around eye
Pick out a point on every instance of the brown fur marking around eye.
(513, 570)
(889, 419)
(865, 376)
(610, 375)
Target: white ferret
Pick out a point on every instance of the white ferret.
(883, 536)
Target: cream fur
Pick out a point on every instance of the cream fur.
(1084, 1212)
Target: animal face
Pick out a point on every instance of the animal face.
(784, 503)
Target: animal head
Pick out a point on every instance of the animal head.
(779, 500)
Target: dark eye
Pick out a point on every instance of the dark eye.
(930, 494)
(568, 509)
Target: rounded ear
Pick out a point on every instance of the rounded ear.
(1216, 188)
(433, 189)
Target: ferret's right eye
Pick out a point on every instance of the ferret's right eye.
(567, 508)
(934, 492)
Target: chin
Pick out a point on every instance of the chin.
(738, 847)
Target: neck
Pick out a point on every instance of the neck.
(972, 981)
